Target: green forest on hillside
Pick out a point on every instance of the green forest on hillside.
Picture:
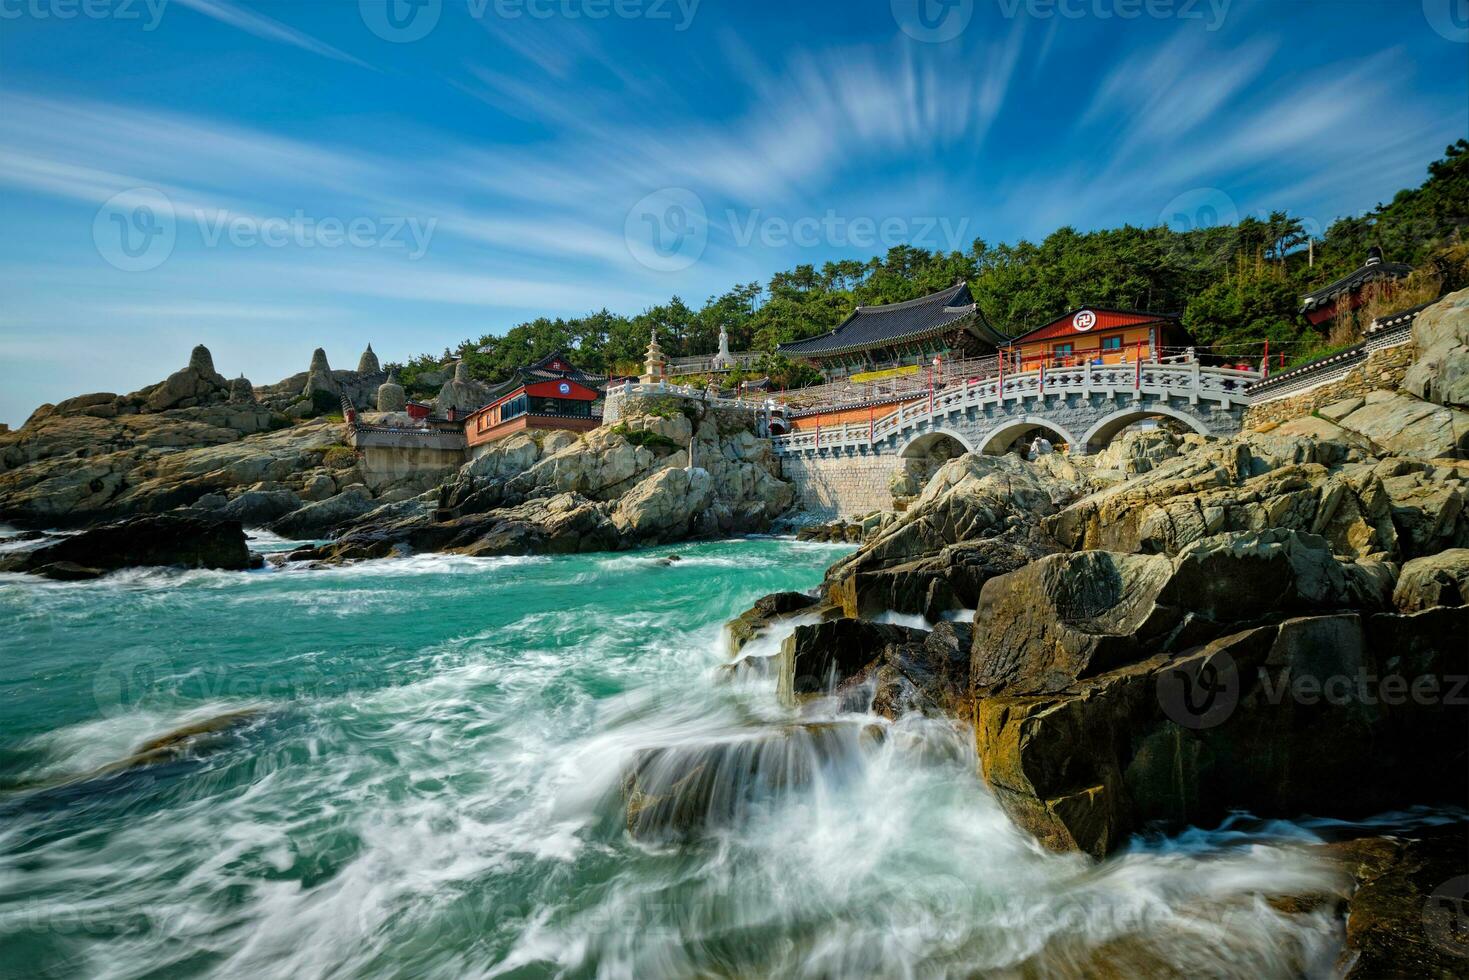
(1235, 285)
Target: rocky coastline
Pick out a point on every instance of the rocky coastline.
(1156, 638)
(1183, 629)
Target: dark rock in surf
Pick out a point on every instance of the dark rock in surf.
(816, 659)
(677, 792)
(157, 540)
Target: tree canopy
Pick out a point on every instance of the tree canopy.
(1234, 285)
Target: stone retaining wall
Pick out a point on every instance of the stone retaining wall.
(1382, 369)
(841, 486)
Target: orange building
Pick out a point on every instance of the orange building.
(550, 394)
(1100, 336)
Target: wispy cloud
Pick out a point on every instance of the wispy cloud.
(264, 27)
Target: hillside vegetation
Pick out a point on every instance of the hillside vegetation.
(1235, 285)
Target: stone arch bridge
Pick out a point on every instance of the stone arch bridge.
(847, 467)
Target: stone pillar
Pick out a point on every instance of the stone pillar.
(368, 363)
(242, 392)
(391, 397)
(319, 375)
(202, 361)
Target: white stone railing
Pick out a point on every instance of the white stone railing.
(1190, 380)
(705, 364)
(617, 396)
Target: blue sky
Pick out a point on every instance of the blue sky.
(271, 177)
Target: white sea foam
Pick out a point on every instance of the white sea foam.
(444, 798)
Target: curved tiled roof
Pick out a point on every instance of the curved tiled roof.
(894, 323)
(1374, 270)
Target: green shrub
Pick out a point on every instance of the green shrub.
(644, 438)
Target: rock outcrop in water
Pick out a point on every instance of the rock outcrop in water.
(162, 540)
(614, 488)
(1182, 627)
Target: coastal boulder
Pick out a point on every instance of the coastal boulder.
(977, 517)
(1072, 616)
(1434, 580)
(819, 658)
(162, 539)
(676, 792)
(1440, 369)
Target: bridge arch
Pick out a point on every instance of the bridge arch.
(998, 440)
(921, 445)
(1107, 427)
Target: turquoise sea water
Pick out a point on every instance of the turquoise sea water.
(433, 788)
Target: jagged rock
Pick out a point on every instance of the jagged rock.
(665, 505)
(816, 659)
(1440, 369)
(1398, 423)
(677, 792)
(322, 517)
(1404, 917)
(241, 391)
(930, 676)
(1363, 506)
(905, 566)
(1434, 580)
(1072, 616)
(257, 508)
(143, 541)
(769, 610)
(197, 384)
(933, 585)
(1134, 453)
(462, 394)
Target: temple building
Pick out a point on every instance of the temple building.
(1098, 336)
(552, 393)
(1320, 306)
(943, 324)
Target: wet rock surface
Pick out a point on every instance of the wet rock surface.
(159, 540)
